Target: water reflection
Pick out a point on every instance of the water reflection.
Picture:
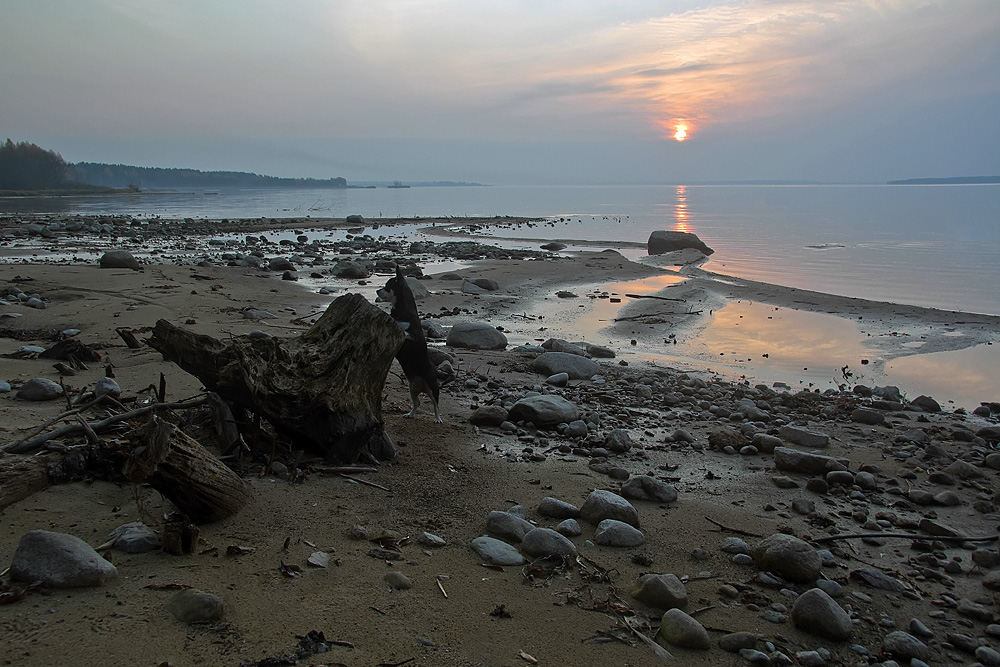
(681, 210)
(963, 377)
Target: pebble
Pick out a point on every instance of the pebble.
(195, 606)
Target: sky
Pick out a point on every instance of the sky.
(511, 91)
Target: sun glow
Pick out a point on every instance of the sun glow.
(680, 132)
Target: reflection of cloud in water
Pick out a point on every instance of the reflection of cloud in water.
(966, 377)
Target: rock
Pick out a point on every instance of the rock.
(735, 545)
(663, 591)
(558, 380)
(554, 246)
(817, 613)
(508, 527)
(277, 264)
(990, 434)
(469, 287)
(786, 458)
(613, 533)
(644, 487)
(679, 629)
(601, 505)
(496, 552)
(476, 336)
(600, 352)
(577, 367)
(939, 529)
(804, 437)
(618, 441)
(569, 528)
(733, 642)
(134, 538)
(398, 581)
(351, 270)
(547, 542)
(904, 645)
(107, 387)
(926, 403)
(721, 438)
(39, 389)
(553, 508)
(59, 560)
(663, 241)
(543, 410)
(254, 314)
(119, 259)
(576, 429)
(765, 443)
(195, 606)
(560, 345)
(788, 557)
(964, 470)
(488, 415)
(431, 540)
(867, 416)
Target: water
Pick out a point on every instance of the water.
(935, 246)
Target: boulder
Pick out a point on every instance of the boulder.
(59, 560)
(577, 367)
(543, 410)
(119, 259)
(476, 336)
(662, 241)
(789, 557)
(601, 505)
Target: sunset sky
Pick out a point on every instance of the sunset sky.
(519, 91)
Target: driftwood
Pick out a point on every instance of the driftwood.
(323, 389)
(20, 476)
(187, 474)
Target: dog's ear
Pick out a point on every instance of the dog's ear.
(399, 273)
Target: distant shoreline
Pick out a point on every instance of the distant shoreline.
(957, 180)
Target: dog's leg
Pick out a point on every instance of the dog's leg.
(437, 413)
(415, 391)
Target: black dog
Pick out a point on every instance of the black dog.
(412, 356)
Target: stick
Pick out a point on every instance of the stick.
(639, 317)
(443, 592)
(945, 538)
(365, 482)
(24, 446)
(732, 530)
(651, 296)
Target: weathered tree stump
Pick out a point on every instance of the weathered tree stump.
(187, 474)
(322, 389)
(20, 476)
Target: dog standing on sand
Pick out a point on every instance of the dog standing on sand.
(412, 355)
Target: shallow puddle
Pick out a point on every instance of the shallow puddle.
(961, 378)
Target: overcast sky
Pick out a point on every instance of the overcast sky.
(518, 91)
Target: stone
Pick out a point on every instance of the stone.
(39, 389)
(547, 542)
(543, 410)
(496, 552)
(926, 403)
(431, 540)
(575, 366)
(662, 591)
(351, 270)
(134, 538)
(488, 415)
(788, 557)
(804, 437)
(766, 443)
(558, 380)
(59, 560)
(867, 416)
(195, 606)
(733, 642)
(476, 336)
(507, 526)
(277, 264)
(786, 458)
(904, 645)
(724, 437)
(560, 345)
(644, 487)
(569, 528)
(602, 504)
(119, 259)
(663, 241)
(398, 581)
(735, 545)
(679, 629)
(817, 613)
(618, 441)
(107, 387)
(613, 533)
(553, 508)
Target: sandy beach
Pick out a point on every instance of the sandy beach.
(688, 428)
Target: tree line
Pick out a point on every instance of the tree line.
(25, 167)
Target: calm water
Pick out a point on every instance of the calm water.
(935, 246)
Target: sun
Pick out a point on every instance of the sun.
(680, 132)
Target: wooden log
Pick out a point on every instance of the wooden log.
(323, 389)
(20, 476)
(187, 474)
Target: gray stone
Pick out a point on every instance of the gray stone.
(195, 606)
(281, 264)
(134, 538)
(788, 557)
(576, 429)
(507, 526)
(488, 415)
(560, 345)
(735, 545)
(496, 552)
(476, 336)
(577, 367)
(553, 508)
(662, 591)
(351, 270)
(926, 403)
(904, 645)
(644, 487)
(679, 629)
(107, 387)
(59, 560)
(987, 655)
(817, 613)
(804, 437)
(569, 528)
(558, 380)
(766, 443)
(119, 259)
(867, 416)
(618, 441)
(613, 533)
(543, 410)
(736, 641)
(398, 581)
(254, 314)
(879, 580)
(786, 458)
(39, 389)
(600, 352)
(547, 542)
(431, 540)
(602, 504)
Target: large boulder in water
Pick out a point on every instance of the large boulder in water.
(661, 241)
(119, 259)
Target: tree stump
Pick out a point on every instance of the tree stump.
(322, 389)
(187, 474)
(20, 476)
